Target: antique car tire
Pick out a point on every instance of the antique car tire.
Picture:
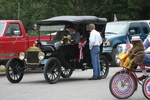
(15, 70)
(66, 73)
(52, 70)
(104, 66)
(115, 61)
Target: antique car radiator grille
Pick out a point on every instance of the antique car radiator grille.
(32, 57)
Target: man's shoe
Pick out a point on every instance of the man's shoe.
(93, 78)
(99, 77)
(142, 77)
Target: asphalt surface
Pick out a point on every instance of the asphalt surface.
(34, 87)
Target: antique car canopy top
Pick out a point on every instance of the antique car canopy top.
(73, 19)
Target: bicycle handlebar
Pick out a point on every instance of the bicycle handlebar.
(143, 53)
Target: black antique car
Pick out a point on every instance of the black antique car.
(56, 58)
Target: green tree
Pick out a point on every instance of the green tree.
(139, 9)
(32, 10)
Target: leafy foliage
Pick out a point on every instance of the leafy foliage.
(30, 11)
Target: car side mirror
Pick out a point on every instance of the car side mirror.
(17, 33)
(132, 32)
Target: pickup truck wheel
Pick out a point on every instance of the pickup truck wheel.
(66, 73)
(104, 66)
(115, 59)
(52, 70)
(15, 70)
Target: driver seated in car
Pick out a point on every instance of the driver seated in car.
(75, 36)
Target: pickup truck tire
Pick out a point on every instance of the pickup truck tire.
(15, 70)
(114, 55)
(52, 70)
(104, 66)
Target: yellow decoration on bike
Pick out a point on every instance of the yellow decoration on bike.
(121, 62)
(123, 55)
(128, 63)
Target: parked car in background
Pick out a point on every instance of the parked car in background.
(117, 32)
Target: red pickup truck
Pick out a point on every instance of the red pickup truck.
(14, 39)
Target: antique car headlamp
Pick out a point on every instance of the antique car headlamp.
(41, 55)
(21, 55)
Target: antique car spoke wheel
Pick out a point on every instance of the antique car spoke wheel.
(14, 70)
(66, 73)
(52, 70)
(104, 66)
(52, 74)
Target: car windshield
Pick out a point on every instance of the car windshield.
(51, 29)
(116, 28)
(46, 30)
(2, 25)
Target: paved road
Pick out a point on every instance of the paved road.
(34, 87)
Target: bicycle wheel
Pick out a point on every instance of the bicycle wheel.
(146, 88)
(122, 85)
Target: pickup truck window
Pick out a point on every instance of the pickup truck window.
(11, 28)
(116, 28)
(134, 26)
(2, 25)
(145, 29)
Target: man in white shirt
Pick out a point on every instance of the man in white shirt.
(95, 41)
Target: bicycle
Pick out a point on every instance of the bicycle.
(125, 82)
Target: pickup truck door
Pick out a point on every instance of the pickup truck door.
(14, 41)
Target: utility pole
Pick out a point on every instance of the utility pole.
(18, 10)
